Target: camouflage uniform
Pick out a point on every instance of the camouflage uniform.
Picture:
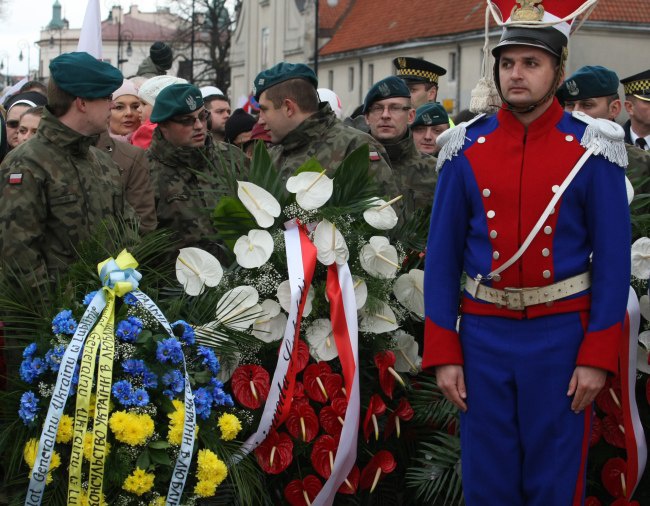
(326, 138)
(414, 172)
(186, 182)
(55, 190)
(136, 181)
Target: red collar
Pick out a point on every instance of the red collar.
(537, 128)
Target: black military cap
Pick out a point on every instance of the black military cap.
(282, 72)
(638, 85)
(589, 82)
(417, 70)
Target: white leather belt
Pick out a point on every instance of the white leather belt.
(519, 298)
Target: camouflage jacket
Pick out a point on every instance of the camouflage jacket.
(55, 189)
(414, 172)
(136, 180)
(326, 138)
(187, 187)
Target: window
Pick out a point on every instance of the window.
(371, 74)
(264, 53)
(350, 78)
(452, 67)
(330, 79)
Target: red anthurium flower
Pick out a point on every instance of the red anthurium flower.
(299, 396)
(613, 431)
(314, 381)
(302, 492)
(376, 406)
(596, 431)
(332, 416)
(351, 483)
(303, 355)
(302, 422)
(613, 476)
(592, 501)
(275, 453)
(250, 384)
(385, 360)
(323, 453)
(404, 412)
(609, 398)
(382, 463)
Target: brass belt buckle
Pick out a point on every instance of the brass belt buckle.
(515, 298)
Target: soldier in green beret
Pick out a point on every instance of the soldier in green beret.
(57, 188)
(302, 128)
(593, 90)
(388, 112)
(430, 121)
(185, 165)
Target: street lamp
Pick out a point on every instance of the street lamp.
(122, 36)
(200, 18)
(330, 3)
(23, 44)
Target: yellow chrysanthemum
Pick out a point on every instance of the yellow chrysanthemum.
(29, 454)
(88, 446)
(176, 421)
(138, 482)
(158, 501)
(83, 499)
(205, 488)
(131, 428)
(210, 467)
(229, 425)
(66, 425)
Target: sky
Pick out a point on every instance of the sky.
(22, 20)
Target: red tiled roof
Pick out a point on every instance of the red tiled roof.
(141, 30)
(328, 17)
(372, 23)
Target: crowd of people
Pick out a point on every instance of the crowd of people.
(92, 145)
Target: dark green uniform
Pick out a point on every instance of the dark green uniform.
(55, 190)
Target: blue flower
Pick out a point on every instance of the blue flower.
(29, 351)
(220, 397)
(54, 356)
(203, 402)
(63, 323)
(175, 383)
(32, 368)
(150, 379)
(134, 367)
(75, 379)
(123, 392)
(187, 335)
(140, 397)
(209, 359)
(28, 407)
(128, 330)
(169, 350)
(130, 299)
(89, 297)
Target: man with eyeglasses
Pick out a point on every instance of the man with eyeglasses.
(187, 166)
(57, 188)
(301, 127)
(388, 112)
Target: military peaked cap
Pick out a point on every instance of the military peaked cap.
(416, 70)
(638, 85)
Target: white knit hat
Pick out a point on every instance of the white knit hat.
(151, 87)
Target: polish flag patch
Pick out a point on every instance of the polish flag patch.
(374, 156)
(15, 178)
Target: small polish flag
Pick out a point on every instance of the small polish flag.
(15, 178)
(374, 156)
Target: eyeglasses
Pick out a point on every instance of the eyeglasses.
(187, 121)
(13, 123)
(393, 109)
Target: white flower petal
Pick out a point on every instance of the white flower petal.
(253, 250)
(379, 258)
(360, 291)
(312, 189)
(330, 244)
(284, 297)
(196, 269)
(641, 258)
(406, 352)
(642, 359)
(409, 291)
(381, 216)
(321, 340)
(644, 306)
(234, 306)
(259, 202)
(382, 321)
(271, 329)
(630, 190)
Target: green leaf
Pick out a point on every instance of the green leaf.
(263, 173)
(311, 165)
(159, 445)
(160, 457)
(144, 460)
(145, 337)
(232, 220)
(353, 183)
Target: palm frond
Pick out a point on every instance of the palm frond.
(353, 182)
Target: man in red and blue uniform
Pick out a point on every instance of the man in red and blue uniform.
(537, 339)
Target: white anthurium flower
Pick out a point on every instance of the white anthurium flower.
(641, 258)
(360, 291)
(406, 353)
(379, 258)
(381, 215)
(409, 291)
(644, 306)
(259, 202)
(228, 367)
(270, 325)
(196, 269)
(284, 297)
(630, 191)
(253, 250)
(384, 320)
(330, 244)
(312, 189)
(321, 340)
(238, 308)
(642, 352)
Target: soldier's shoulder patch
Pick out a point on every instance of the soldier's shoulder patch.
(374, 156)
(15, 178)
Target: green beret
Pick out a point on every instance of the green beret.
(430, 114)
(282, 72)
(175, 100)
(417, 70)
(390, 87)
(588, 82)
(83, 75)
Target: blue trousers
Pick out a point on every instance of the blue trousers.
(521, 445)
